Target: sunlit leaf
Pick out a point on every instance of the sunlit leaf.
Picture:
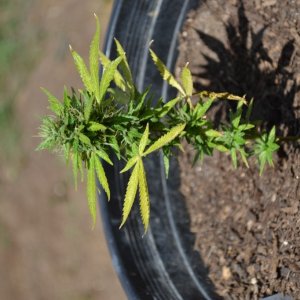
(101, 176)
(94, 126)
(91, 189)
(83, 71)
(165, 139)
(55, 104)
(131, 162)
(144, 196)
(130, 193)
(144, 140)
(165, 73)
(107, 77)
(187, 81)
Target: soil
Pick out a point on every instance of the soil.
(47, 247)
(247, 227)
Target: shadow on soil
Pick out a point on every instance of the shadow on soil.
(246, 68)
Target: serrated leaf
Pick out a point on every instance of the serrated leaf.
(101, 176)
(55, 104)
(236, 117)
(91, 189)
(213, 133)
(88, 105)
(165, 73)
(165, 139)
(83, 138)
(75, 163)
(221, 148)
(144, 140)
(222, 96)
(168, 106)
(118, 78)
(83, 71)
(130, 193)
(94, 59)
(201, 109)
(130, 164)
(114, 144)
(124, 64)
(107, 77)
(187, 81)
(67, 100)
(94, 126)
(102, 154)
(144, 196)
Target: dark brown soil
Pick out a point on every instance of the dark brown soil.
(247, 227)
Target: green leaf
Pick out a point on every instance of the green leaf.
(94, 59)
(83, 71)
(94, 126)
(55, 104)
(144, 196)
(166, 165)
(272, 135)
(88, 105)
(75, 163)
(102, 154)
(168, 106)
(130, 164)
(130, 193)
(124, 64)
(221, 148)
(187, 81)
(83, 138)
(118, 78)
(233, 157)
(101, 176)
(67, 100)
(114, 144)
(165, 73)
(201, 108)
(213, 133)
(165, 139)
(236, 117)
(144, 140)
(107, 77)
(91, 189)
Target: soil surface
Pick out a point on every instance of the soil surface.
(47, 247)
(247, 227)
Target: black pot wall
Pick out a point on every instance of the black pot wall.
(162, 264)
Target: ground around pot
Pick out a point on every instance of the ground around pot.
(247, 227)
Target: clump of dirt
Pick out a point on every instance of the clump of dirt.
(247, 227)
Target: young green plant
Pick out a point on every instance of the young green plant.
(111, 116)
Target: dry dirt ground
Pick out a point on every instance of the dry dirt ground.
(47, 247)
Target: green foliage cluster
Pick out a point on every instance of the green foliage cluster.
(111, 116)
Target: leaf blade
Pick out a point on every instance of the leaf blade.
(102, 176)
(165, 73)
(144, 196)
(94, 60)
(165, 139)
(130, 194)
(91, 189)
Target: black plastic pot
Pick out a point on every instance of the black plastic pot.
(162, 264)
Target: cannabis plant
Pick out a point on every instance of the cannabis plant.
(110, 116)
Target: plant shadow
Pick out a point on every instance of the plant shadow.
(246, 68)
